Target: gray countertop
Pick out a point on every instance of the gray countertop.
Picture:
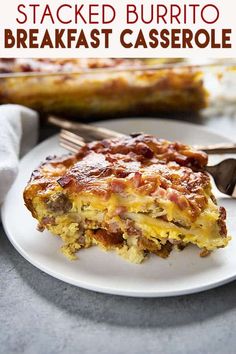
(40, 314)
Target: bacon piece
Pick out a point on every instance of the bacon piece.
(65, 181)
(117, 186)
(108, 239)
(177, 198)
(137, 179)
(144, 149)
(119, 211)
(131, 229)
(160, 192)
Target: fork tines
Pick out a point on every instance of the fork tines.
(71, 141)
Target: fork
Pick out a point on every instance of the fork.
(224, 173)
(90, 133)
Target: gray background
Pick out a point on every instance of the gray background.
(40, 314)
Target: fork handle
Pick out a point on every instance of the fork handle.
(223, 148)
(91, 132)
(87, 131)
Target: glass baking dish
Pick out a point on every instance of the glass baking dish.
(149, 89)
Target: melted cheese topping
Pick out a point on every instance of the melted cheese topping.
(147, 215)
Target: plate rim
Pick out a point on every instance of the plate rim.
(114, 290)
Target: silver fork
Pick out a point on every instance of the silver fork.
(224, 173)
(90, 133)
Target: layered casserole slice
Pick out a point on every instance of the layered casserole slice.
(136, 195)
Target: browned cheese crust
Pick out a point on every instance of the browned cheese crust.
(125, 160)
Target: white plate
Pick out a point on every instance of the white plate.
(182, 273)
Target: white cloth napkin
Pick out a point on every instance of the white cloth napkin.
(18, 134)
